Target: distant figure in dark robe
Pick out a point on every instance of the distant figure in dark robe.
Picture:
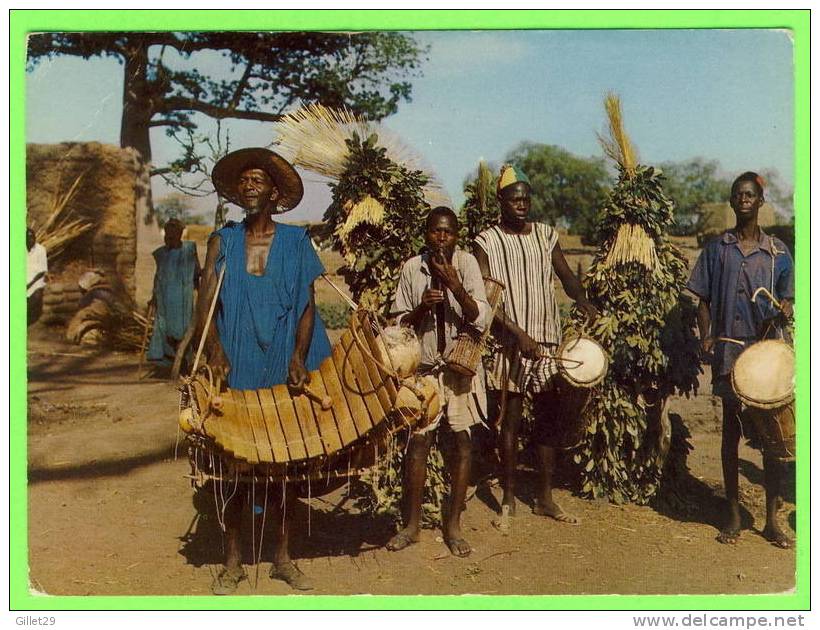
(176, 277)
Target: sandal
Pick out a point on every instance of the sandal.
(400, 541)
(728, 536)
(291, 575)
(228, 581)
(777, 538)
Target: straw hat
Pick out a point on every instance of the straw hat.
(227, 171)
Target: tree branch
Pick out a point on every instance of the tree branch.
(175, 103)
(170, 122)
(240, 86)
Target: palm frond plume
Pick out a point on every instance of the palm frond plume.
(618, 145)
(314, 137)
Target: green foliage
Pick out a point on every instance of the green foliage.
(480, 210)
(174, 206)
(265, 74)
(647, 331)
(690, 185)
(380, 490)
(565, 187)
(335, 315)
(375, 252)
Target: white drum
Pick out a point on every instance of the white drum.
(582, 362)
(763, 375)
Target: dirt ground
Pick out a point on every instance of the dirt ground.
(112, 513)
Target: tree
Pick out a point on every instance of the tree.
(564, 186)
(779, 193)
(269, 72)
(692, 184)
(174, 206)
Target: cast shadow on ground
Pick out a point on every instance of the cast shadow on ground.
(318, 531)
(754, 474)
(99, 468)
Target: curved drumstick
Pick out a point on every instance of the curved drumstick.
(765, 291)
(560, 359)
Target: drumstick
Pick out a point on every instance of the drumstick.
(217, 404)
(326, 402)
(768, 295)
(730, 340)
(555, 357)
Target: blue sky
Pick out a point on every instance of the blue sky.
(718, 94)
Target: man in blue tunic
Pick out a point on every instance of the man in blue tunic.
(267, 330)
(728, 272)
(175, 279)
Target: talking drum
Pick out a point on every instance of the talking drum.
(465, 353)
(582, 364)
(763, 379)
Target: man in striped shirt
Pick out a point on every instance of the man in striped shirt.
(525, 257)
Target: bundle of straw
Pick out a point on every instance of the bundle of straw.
(59, 229)
(618, 146)
(632, 244)
(368, 210)
(314, 137)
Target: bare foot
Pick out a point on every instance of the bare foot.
(403, 539)
(458, 547)
(777, 537)
(553, 510)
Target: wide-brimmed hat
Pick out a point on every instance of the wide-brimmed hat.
(227, 171)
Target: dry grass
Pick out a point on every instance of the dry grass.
(632, 244)
(59, 229)
(314, 137)
(618, 145)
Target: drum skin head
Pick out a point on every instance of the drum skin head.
(763, 375)
(592, 362)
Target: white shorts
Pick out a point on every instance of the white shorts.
(463, 401)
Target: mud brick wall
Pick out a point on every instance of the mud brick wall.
(113, 193)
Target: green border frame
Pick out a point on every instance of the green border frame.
(25, 21)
